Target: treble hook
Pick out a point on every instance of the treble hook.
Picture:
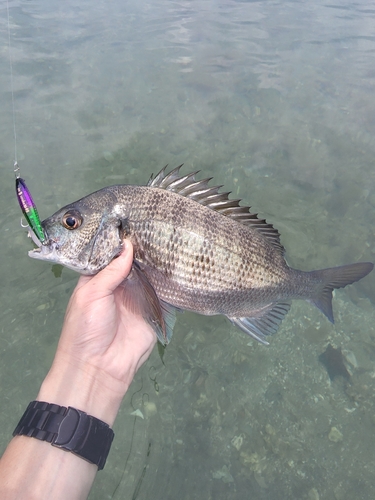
(24, 225)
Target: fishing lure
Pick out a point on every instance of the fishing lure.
(29, 210)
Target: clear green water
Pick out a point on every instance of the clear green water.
(275, 100)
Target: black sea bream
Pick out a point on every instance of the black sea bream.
(194, 249)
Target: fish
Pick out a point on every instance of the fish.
(195, 249)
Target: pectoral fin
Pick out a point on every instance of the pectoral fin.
(140, 297)
(265, 322)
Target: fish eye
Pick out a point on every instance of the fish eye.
(72, 220)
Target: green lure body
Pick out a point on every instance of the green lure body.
(29, 210)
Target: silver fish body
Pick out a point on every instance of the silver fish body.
(194, 249)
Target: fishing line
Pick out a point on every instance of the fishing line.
(16, 167)
(25, 200)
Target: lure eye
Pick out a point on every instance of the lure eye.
(72, 220)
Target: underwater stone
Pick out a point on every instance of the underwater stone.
(335, 435)
(313, 494)
(223, 474)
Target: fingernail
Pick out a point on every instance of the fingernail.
(125, 246)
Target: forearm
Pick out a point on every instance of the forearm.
(34, 469)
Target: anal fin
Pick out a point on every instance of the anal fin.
(265, 322)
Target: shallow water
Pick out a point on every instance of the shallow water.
(275, 100)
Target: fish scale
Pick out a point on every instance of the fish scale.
(240, 267)
(194, 249)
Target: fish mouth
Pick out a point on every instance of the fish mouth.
(46, 251)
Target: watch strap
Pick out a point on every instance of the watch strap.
(69, 429)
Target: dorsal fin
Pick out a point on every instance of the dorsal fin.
(209, 196)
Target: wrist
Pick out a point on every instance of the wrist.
(85, 387)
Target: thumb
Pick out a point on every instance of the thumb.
(109, 278)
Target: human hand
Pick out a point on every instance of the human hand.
(102, 343)
(98, 329)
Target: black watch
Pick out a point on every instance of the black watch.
(69, 429)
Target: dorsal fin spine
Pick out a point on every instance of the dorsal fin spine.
(182, 182)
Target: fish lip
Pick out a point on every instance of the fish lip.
(46, 251)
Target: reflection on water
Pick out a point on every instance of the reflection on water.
(273, 99)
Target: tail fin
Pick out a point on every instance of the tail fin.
(337, 277)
